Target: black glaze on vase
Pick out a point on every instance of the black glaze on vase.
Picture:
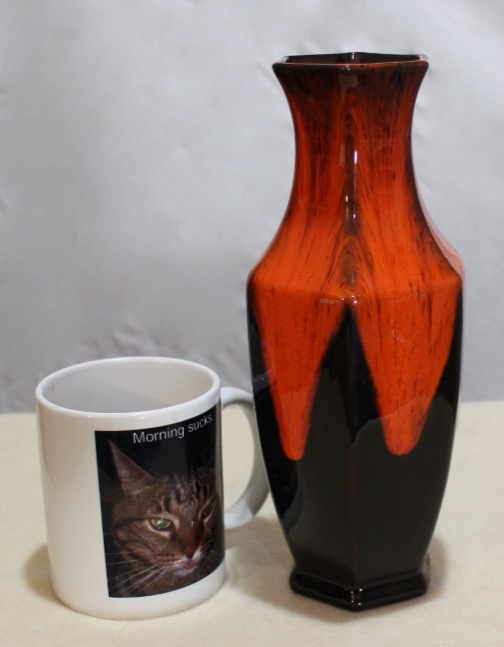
(357, 518)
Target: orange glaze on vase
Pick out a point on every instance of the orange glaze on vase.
(355, 236)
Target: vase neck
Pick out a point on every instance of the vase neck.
(352, 117)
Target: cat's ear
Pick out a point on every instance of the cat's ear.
(132, 477)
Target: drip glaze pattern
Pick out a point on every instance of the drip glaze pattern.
(358, 295)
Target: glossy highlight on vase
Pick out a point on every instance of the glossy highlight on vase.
(358, 296)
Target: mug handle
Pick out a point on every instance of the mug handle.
(257, 489)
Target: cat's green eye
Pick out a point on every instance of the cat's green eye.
(160, 524)
(207, 509)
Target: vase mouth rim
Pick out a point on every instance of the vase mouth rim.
(352, 59)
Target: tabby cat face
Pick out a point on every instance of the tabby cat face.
(167, 524)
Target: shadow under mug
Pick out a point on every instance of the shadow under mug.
(132, 478)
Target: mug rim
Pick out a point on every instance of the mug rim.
(43, 401)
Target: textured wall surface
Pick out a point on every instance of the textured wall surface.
(147, 157)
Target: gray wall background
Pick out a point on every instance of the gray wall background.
(146, 161)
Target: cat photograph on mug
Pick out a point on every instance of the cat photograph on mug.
(161, 511)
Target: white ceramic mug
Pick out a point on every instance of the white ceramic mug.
(132, 479)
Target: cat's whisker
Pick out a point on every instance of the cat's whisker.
(161, 574)
(134, 578)
(144, 580)
(140, 571)
(124, 561)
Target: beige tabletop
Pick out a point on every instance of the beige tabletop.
(464, 605)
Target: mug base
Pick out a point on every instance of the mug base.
(360, 599)
(145, 607)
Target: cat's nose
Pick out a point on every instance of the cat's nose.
(189, 552)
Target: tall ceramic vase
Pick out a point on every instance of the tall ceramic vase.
(355, 321)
